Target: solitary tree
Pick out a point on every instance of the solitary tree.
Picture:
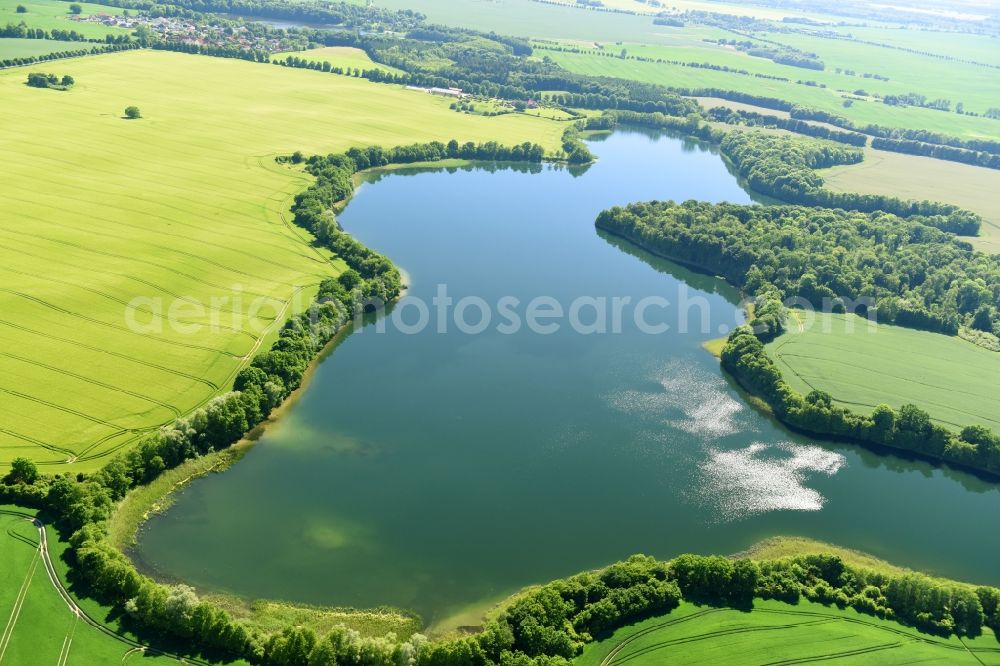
(75, 9)
(22, 470)
(132, 113)
(21, 9)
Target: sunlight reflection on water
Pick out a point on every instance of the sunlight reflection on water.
(763, 477)
(705, 406)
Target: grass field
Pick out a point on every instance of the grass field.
(55, 15)
(23, 48)
(828, 99)
(917, 177)
(185, 206)
(780, 633)
(39, 627)
(955, 381)
(337, 56)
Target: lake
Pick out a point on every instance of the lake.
(436, 467)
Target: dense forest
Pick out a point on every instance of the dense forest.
(913, 273)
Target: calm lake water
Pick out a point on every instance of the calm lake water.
(433, 470)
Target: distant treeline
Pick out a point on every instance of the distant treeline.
(783, 167)
(980, 152)
(752, 119)
(925, 136)
(976, 158)
(226, 51)
(320, 12)
(22, 31)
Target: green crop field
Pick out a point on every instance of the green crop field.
(55, 15)
(917, 177)
(955, 381)
(185, 208)
(828, 99)
(780, 633)
(337, 56)
(39, 627)
(23, 48)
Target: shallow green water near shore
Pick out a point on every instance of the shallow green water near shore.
(431, 470)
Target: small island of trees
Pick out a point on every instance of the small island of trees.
(38, 80)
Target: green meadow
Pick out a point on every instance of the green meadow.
(778, 633)
(22, 48)
(337, 56)
(862, 365)
(55, 15)
(917, 177)
(39, 626)
(184, 208)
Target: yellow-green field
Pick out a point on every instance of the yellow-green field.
(337, 56)
(186, 208)
(955, 381)
(917, 177)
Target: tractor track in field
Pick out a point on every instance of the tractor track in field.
(124, 276)
(171, 221)
(117, 327)
(170, 248)
(102, 350)
(63, 408)
(612, 657)
(83, 248)
(37, 442)
(53, 575)
(120, 301)
(95, 382)
(708, 635)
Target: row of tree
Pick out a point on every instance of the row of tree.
(925, 136)
(909, 429)
(784, 167)
(721, 114)
(974, 157)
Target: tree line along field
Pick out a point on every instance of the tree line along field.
(954, 380)
(774, 632)
(185, 205)
(39, 626)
